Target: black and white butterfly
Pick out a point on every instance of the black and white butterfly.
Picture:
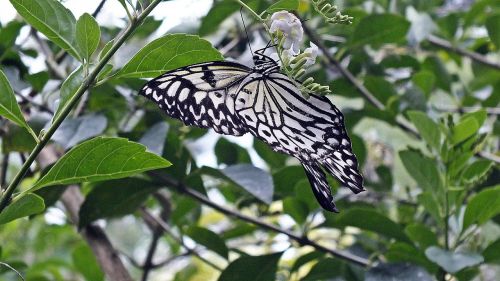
(234, 99)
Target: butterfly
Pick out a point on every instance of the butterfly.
(234, 99)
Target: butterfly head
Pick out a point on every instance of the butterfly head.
(264, 64)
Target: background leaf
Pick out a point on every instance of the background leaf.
(52, 19)
(86, 263)
(28, 204)
(88, 35)
(452, 262)
(397, 271)
(167, 53)
(482, 206)
(208, 239)
(378, 29)
(100, 159)
(252, 268)
(8, 104)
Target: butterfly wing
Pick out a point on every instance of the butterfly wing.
(312, 130)
(200, 95)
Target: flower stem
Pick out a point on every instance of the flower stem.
(134, 23)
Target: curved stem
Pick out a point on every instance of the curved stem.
(4, 200)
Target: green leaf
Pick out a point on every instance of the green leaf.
(372, 221)
(88, 35)
(325, 269)
(86, 263)
(252, 268)
(252, 179)
(483, 206)
(28, 204)
(378, 29)
(425, 80)
(52, 19)
(167, 53)
(477, 170)
(480, 115)
(114, 198)
(220, 11)
(101, 158)
(492, 24)
(209, 239)
(492, 253)
(381, 88)
(431, 205)
(397, 271)
(421, 235)
(230, 153)
(450, 261)
(422, 169)
(296, 208)
(288, 5)
(403, 252)
(38, 80)
(8, 104)
(17, 139)
(106, 49)
(302, 260)
(434, 65)
(74, 130)
(464, 129)
(427, 128)
(69, 88)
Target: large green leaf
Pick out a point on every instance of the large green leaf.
(101, 158)
(421, 235)
(452, 261)
(28, 204)
(427, 128)
(114, 198)
(208, 239)
(464, 129)
(52, 19)
(220, 11)
(252, 268)
(377, 29)
(422, 169)
(372, 221)
(483, 206)
(167, 53)
(8, 104)
(88, 35)
(492, 253)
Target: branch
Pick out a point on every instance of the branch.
(5, 198)
(303, 241)
(106, 255)
(439, 42)
(152, 220)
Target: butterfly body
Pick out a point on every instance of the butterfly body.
(234, 99)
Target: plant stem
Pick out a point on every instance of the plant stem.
(135, 22)
(254, 14)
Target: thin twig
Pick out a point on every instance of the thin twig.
(434, 40)
(3, 172)
(148, 217)
(13, 269)
(233, 213)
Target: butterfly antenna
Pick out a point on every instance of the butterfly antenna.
(245, 27)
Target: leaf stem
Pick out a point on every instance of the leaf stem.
(254, 14)
(87, 83)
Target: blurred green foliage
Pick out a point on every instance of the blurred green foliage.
(417, 81)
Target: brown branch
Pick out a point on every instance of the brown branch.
(303, 241)
(439, 42)
(152, 220)
(107, 257)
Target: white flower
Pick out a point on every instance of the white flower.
(290, 27)
(310, 54)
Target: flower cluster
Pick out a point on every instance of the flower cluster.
(288, 32)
